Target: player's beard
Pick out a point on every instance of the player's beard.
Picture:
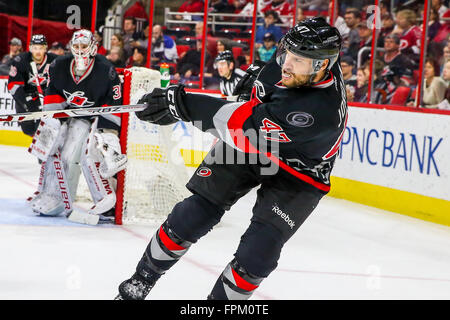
(295, 80)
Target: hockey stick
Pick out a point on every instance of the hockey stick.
(69, 113)
(38, 85)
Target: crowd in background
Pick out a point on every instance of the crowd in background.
(395, 74)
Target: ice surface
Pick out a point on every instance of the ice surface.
(343, 251)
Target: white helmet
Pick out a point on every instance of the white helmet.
(84, 48)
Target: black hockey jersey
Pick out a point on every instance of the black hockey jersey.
(227, 85)
(22, 82)
(98, 86)
(298, 129)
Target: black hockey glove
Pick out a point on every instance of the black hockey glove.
(244, 87)
(32, 104)
(164, 106)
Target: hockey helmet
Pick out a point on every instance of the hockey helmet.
(226, 55)
(83, 47)
(38, 39)
(312, 39)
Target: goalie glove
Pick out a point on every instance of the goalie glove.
(244, 87)
(164, 106)
(113, 159)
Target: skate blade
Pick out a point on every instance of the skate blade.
(84, 218)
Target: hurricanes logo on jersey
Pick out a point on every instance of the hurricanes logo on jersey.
(41, 79)
(77, 99)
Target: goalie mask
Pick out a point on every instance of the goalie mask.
(84, 48)
(304, 49)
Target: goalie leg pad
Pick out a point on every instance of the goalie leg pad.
(77, 132)
(49, 136)
(49, 202)
(102, 190)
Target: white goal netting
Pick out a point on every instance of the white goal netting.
(156, 175)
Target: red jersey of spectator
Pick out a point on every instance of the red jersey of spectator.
(281, 7)
(411, 38)
(192, 6)
(137, 10)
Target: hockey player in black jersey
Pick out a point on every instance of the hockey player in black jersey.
(229, 74)
(23, 82)
(81, 79)
(293, 123)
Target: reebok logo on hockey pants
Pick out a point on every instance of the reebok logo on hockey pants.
(283, 216)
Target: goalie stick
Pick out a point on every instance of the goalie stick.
(69, 113)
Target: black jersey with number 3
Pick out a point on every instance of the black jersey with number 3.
(301, 127)
(98, 86)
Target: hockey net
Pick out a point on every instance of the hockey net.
(155, 177)
(160, 158)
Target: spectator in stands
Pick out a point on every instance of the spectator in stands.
(282, 7)
(189, 64)
(191, 6)
(387, 26)
(270, 18)
(350, 45)
(365, 38)
(217, 6)
(15, 48)
(347, 66)
(339, 22)
(114, 56)
(266, 51)
(57, 48)
(445, 104)
(433, 24)
(395, 60)
(129, 34)
(410, 34)
(438, 6)
(248, 8)
(164, 48)
(198, 29)
(99, 38)
(139, 57)
(314, 4)
(223, 45)
(300, 15)
(445, 57)
(362, 81)
(117, 41)
(238, 5)
(434, 86)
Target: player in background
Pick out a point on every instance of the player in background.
(23, 82)
(82, 79)
(229, 74)
(294, 123)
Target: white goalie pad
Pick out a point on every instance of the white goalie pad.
(102, 189)
(62, 171)
(49, 137)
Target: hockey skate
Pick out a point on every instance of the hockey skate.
(135, 288)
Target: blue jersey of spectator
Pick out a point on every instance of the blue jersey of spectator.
(270, 18)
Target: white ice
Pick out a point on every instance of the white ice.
(343, 251)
